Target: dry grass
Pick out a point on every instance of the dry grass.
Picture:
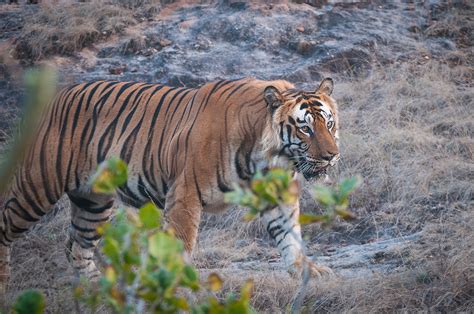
(68, 27)
(65, 29)
(408, 130)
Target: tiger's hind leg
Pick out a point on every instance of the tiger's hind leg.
(21, 211)
(88, 211)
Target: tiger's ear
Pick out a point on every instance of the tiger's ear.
(326, 87)
(273, 97)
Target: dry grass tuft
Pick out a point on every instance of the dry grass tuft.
(408, 131)
(65, 29)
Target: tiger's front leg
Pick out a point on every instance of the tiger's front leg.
(283, 225)
(183, 215)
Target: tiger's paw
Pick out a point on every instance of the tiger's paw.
(319, 271)
(314, 270)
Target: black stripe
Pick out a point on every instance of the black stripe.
(213, 90)
(235, 90)
(81, 229)
(147, 154)
(131, 198)
(19, 211)
(198, 190)
(14, 228)
(280, 231)
(92, 92)
(63, 122)
(81, 202)
(90, 239)
(273, 220)
(94, 220)
(109, 132)
(98, 210)
(144, 193)
(286, 233)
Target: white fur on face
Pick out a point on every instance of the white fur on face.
(302, 115)
(326, 113)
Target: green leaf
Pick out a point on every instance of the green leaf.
(214, 282)
(165, 278)
(190, 273)
(324, 195)
(251, 214)
(348, 186)
(110, 175)
(345, 214)
(309, 218)
(111, 249)
(163, 245)
(238, 307)
(150, 216)
(246, 289)
(30, 302)
(181, 303)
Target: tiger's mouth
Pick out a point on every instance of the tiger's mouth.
(311, 170)
(315, 173)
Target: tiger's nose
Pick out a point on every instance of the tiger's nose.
(328, 156)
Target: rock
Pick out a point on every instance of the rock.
(149, 52)
(353, 61)
(305, 48)
(133, 45)
(203, 44)
(414, 29)
(117, 70)
(106, 52)
(165, 42)
(300, 29)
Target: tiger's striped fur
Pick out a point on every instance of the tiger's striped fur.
(184, 147)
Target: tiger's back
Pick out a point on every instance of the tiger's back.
(90, 122)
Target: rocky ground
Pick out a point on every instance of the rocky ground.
(403, 76)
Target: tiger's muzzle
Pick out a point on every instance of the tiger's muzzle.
(312, 168)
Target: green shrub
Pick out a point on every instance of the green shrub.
(144, 265)
(277, 187)
(29, 302)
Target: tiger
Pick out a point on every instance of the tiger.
(184, 147)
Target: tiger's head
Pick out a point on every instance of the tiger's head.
(306, 125)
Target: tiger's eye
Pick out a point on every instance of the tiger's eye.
(330, 124)
(306, 129)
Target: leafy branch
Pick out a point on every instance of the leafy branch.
(277, 187)
(145, 270)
